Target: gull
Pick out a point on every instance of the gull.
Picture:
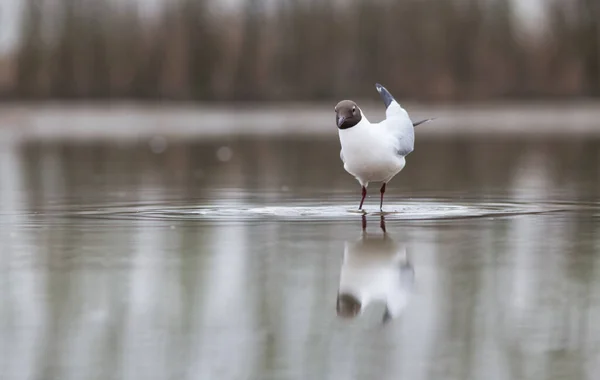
(375, 152)
(375, 269)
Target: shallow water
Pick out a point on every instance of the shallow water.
(223, 259)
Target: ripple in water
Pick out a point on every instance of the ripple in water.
(415, 210)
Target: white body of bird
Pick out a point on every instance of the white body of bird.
(375, 152)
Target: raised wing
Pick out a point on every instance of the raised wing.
(397, 123)
(385, 95)
(401, 133)
(392, 107)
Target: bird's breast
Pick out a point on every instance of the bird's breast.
(369, 157)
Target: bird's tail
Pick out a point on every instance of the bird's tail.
(385, 95)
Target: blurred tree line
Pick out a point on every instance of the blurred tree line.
(450, 50)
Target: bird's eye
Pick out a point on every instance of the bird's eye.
(353, 109)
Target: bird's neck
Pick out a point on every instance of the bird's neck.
(364, 120)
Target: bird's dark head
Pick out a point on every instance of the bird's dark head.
(347, 306)
(347, 114)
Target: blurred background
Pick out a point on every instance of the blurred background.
(299, 50)
(173, 204)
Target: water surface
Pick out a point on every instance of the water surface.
(223, 258)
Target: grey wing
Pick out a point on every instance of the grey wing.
(423, 121)
(405, 146)
(402, 131)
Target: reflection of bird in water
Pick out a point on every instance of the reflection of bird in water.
(375, 268)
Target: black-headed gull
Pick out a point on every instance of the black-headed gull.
(375, 152)
(374, 269)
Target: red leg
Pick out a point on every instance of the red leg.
(364, 222)
(382, 191)
(364, 194)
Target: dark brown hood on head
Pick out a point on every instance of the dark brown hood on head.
(347, 306)
(347, 114)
